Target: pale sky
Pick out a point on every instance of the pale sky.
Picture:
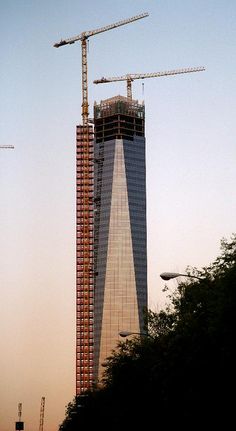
(191, 175)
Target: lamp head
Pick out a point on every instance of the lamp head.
(169, 275)
(125, 333)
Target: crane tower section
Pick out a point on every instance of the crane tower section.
(19, 424)
(41, 418)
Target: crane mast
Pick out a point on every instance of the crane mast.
(41, 418)
(19, 411)
(19, 426)
(129, 78)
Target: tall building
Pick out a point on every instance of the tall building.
(120, 255)
(111, 259)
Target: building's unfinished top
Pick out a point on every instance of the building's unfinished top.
(118, 105)
(118, 98)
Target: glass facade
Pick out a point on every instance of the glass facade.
(120, 256)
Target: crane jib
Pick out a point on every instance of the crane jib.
(87, 34)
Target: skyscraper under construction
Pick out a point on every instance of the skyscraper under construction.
(115, 295)
(111, 203)
(95, 237)
(120, 261)
(111, 257)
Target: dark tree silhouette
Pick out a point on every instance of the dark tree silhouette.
(183, 374)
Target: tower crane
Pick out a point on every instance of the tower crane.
(19, 424)
(83, 38)
(129, 78)
(7, 146)
(41, 419)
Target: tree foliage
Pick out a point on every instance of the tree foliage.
(183, 373)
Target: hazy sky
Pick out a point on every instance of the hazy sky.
(191, 159)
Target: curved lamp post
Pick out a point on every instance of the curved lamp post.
(169, 275)
(128, 333)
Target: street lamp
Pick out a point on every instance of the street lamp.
(127, 333)
(169, 275)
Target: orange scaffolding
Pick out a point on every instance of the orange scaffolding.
(84, 257)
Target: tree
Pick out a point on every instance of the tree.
(184, 374)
